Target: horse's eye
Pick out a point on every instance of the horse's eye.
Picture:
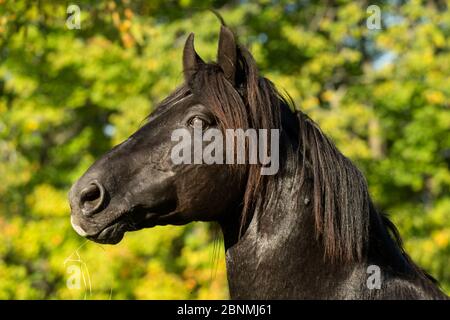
(198, 122)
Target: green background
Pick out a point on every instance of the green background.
(67, 96)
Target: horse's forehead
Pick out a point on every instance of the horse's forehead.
(183, 100)
(170, 106)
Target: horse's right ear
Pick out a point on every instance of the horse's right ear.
(227, 53)
(191, 60)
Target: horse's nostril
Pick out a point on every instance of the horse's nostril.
(91, 198)
(91, 193)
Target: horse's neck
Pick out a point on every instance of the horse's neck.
(280, 257)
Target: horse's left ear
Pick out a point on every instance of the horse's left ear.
(191, 60)
(227, 54)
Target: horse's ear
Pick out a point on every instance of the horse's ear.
(191, 60)
(227, 54)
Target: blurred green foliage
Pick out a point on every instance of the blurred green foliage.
(67, 96)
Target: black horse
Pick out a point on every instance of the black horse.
(309, 231)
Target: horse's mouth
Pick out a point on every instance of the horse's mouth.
(112, 234)
(134, 220)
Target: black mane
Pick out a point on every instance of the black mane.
(345, 222)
